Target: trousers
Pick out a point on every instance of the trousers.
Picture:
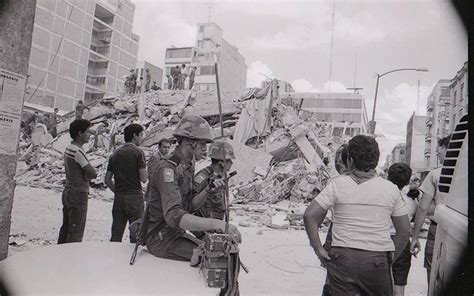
(74, 216)
(126, 208)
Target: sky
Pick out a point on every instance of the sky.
(291, 41)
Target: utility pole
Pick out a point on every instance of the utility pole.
(16, 20)
(332, 42)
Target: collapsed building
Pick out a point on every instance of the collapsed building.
(279, 153)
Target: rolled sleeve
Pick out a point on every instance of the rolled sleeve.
(327, 198)
(399, 208)
(170, 197)
(141, 159)
(429, 184)
(81, 158)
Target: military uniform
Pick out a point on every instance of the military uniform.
(170, 197)
(214, 206)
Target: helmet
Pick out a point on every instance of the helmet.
(216, 149)
(195, 128)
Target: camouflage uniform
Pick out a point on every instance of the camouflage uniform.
(214, 206)
(170, 197)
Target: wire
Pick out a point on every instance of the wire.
(300, 266)
(56, 53)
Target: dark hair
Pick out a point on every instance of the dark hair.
(341, 156)
(399, 174)
(444, 141)
(364, 151)
(164, 141)
(78, 125)
(56, 109)
(130, 130)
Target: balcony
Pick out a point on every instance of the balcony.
(427, 151)
(429, 121)
(429, 106)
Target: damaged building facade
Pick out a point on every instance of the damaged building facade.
(210, 46)
(80, 50)
(346, 110)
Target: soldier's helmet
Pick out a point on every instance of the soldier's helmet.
(195, 128)
(221, 150)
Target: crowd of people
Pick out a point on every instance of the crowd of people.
(135, 85)
(367, 250)
(178, 75)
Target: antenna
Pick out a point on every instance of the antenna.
(418, 95)
(332, 42)
(210, 9)
(355, 71)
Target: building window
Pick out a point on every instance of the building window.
(328, 103)
(445, 91)
(207, 70)
(460, 92)
(201, 29)
(357, 104)
(347, 103)
(178, 53)
(355, 117)
(318, 103)
(337, 103)
(454, 97)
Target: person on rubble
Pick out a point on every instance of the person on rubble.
(428, 202)
(164, 146)
(170, 81)
(362, 205)
(139, 84)
(80, 107)
(175, 73)
(171, 200)
(192, 74)
(155, 86)
(182, 77)
(127, 166)
(131, 81)
(399, 174)
(209, 184)
(79, 172)
(53, 123)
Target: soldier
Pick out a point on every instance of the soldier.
(210, 181)
(170, 197)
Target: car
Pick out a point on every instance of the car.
(451, 216)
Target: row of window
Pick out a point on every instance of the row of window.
(201, 70)
(95, 80)
(179, 53)
(333, 103)
(337, 117)
(98, 65)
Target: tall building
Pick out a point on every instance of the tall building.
(344, 109)
(398, 153)
(437, 120)
(459, 95)
(81, 50)
(415, 142)
(210, 46)
(149, 71)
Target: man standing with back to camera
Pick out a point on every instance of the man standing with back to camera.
(127, 167)
(363, 205)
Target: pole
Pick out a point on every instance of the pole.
(221, 120)
(17, 19)
(372, 126)
(332, 44)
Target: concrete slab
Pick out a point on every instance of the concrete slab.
(99, 269)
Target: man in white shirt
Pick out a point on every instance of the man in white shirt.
(363, 205)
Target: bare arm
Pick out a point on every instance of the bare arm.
(108, 181)
(195, 223)
(143, 175)
(90, 172)
(313, 219)
(402, 235)
(420, 216)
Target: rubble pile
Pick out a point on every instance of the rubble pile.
(278, 153)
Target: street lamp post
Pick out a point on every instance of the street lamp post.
(372, 122)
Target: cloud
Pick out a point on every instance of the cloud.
(255, 71)
(303, 85)
(153, 39)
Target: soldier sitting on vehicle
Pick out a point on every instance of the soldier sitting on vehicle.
(211, 181)
(171, 198)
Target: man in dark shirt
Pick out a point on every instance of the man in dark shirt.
(175, 73)
(127, 166)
